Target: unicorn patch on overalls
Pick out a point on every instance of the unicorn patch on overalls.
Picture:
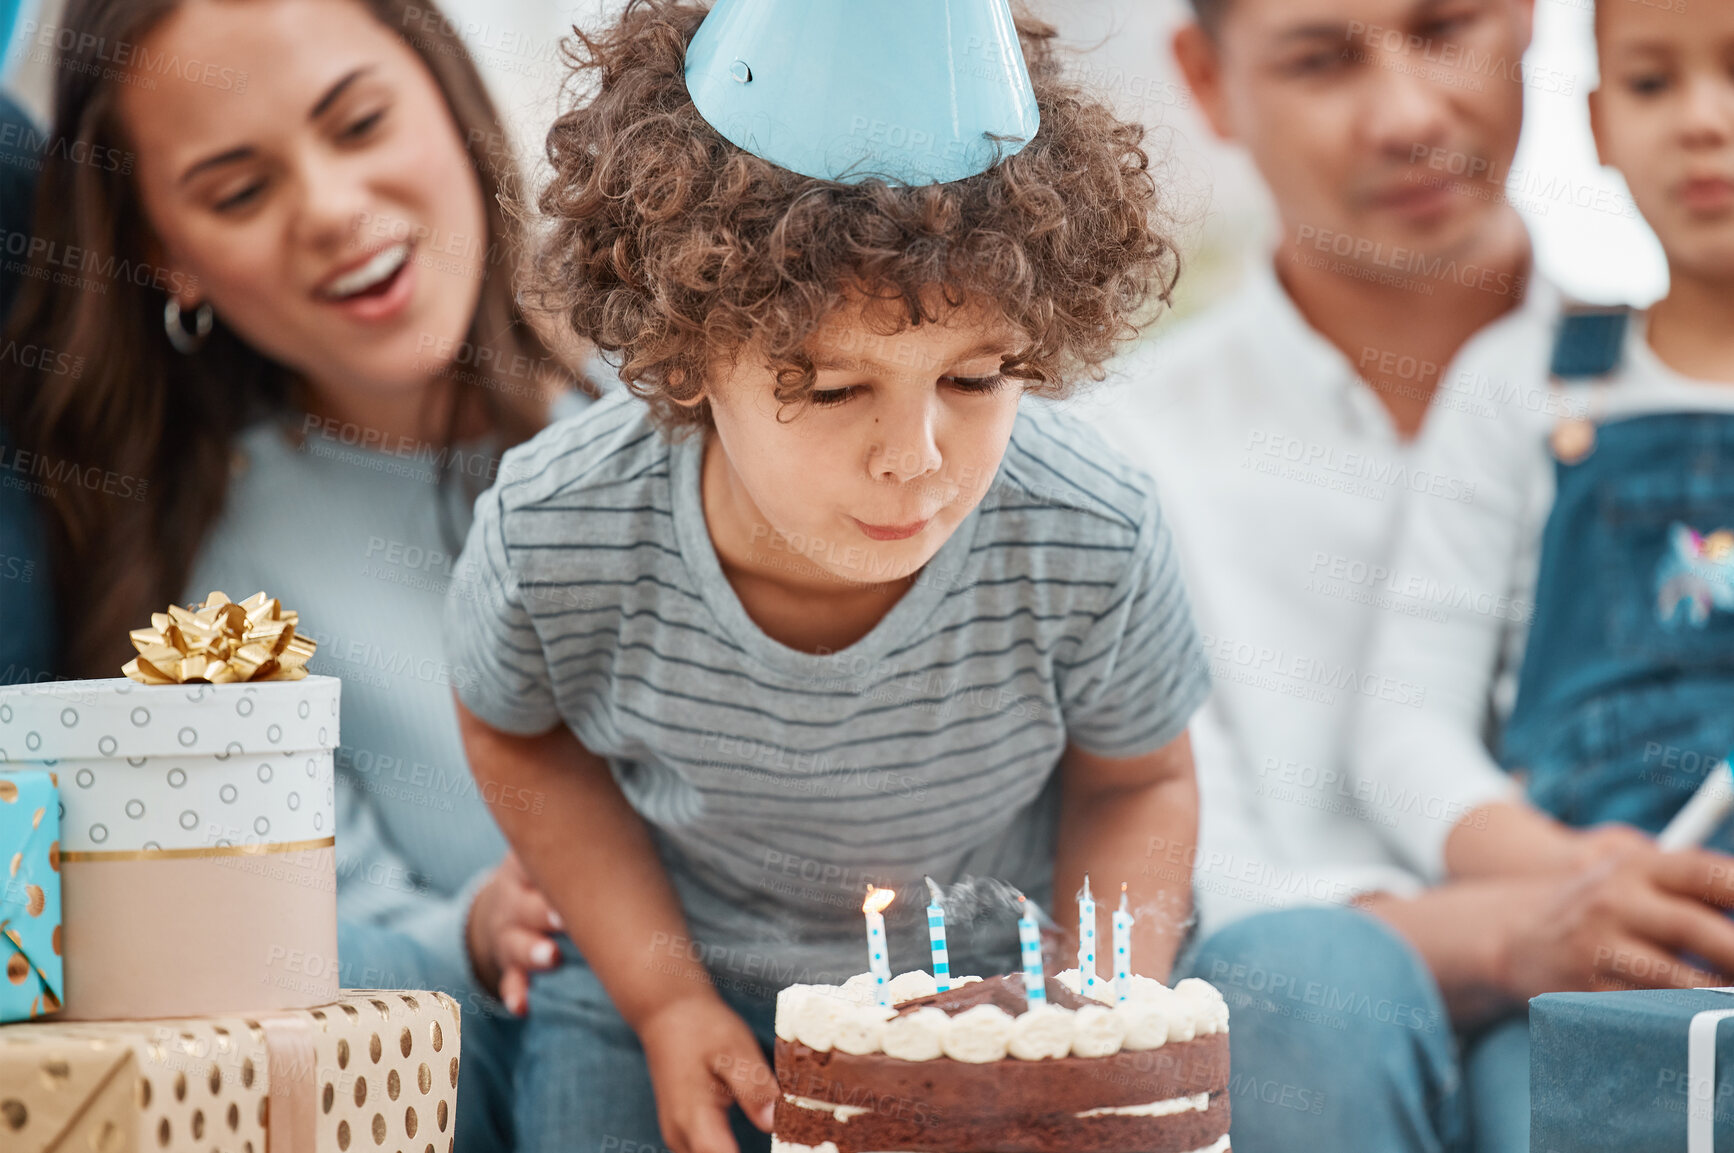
(1698, 572)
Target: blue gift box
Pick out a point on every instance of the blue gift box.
(30, 969)
(1614, 1071)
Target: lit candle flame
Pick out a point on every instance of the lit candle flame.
(1122, 896)
(877, 899)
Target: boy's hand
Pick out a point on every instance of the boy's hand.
(702, 1059)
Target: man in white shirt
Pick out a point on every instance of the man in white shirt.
(1284, 429)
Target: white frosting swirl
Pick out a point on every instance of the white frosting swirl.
(912, 986)
(1146, 1023)
(1074, 981)
(978, 1035)
(819, 1014)
(861, 1031)
(1205, 1003)
(788, 1009)
(1097, 1031)
(1142, 986)
(849, 1018)
(1041, 1032)
(916, 1036)
(862, 988)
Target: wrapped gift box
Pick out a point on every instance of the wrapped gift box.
(376, 1070)
(29, 896)
(1615, 1072)
(196, 844)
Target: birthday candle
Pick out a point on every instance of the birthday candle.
(878, 963)
(1122, 949)
(1030, 937)
(936, 937)
(1087, 940)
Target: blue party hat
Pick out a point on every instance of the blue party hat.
(912, 91)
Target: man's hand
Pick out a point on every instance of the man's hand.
(1620, 915)
(702, 1059)
(1629, 920)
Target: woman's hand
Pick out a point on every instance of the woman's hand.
(702, 1059)
(509, 934)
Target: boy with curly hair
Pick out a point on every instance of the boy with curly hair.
(821, 600)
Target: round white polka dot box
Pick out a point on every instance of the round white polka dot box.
(197, 821)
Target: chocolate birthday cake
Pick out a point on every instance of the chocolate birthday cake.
(975, 1069)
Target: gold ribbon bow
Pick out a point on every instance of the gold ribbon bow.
(221, 641)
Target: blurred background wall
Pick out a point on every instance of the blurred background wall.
(1588, 237)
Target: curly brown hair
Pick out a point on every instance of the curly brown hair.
(669, 247)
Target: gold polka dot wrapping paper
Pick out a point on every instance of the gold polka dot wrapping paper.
(30, 928)
(375, 1070)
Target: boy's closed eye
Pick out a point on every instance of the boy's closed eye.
(970, 385)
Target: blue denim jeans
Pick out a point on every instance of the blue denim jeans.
(1339, 1041)
(582, 1083)
(373, 956)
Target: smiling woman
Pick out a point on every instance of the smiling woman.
(318, 214)
(288, 286)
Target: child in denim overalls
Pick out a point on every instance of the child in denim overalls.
(1611, 701)
(1626, 698)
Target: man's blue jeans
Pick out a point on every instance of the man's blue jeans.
(1340, 1042)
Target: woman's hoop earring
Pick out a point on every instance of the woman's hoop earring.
(186, 343)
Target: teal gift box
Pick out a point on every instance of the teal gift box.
(30, 895)
(1634, 1071)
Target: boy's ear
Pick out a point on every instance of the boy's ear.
(677, 379)
(1200, 60)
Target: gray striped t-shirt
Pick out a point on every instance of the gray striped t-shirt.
(778, 783)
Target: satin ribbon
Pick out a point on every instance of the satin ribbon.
(1701, 1076)
(213, 851)
(291, 1112)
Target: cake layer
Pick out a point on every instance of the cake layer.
(952, 1090)
(1154, 1126)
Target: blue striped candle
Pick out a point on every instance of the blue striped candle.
(1030, 937)
(1087, 941)
(936, 937)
